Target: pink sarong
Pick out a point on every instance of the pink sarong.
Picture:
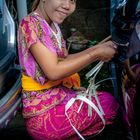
(54, 125)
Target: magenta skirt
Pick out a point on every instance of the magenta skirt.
(54, 125)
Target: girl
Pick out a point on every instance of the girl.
(49, 77)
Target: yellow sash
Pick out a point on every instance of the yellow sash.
(30, 84)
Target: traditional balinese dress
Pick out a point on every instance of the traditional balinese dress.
(44, 110)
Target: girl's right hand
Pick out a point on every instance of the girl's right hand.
(106, 51)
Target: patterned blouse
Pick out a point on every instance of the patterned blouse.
(31, 30)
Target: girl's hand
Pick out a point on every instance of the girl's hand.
(106, 51)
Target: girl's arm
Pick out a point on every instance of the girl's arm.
(55, 70)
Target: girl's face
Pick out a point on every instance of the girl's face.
(58, 10)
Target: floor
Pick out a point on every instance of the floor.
(15, 129)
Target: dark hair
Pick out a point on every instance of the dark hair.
(35, 4)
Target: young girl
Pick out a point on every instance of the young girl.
(49, 77)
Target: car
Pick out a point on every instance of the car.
(10, 71)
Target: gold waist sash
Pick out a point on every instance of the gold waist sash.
(30, 84)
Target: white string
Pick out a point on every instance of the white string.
(92, 71)
(57, 35)
(86, 97)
